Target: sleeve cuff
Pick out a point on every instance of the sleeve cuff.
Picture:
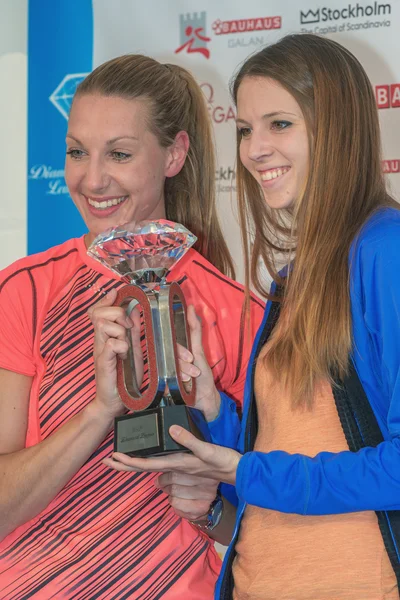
(240, 483)
(226, 404)
(225, 428)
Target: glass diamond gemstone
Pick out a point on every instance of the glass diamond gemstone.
(142, 252)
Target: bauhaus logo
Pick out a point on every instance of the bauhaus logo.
(388, 96)
(351, 11)
(246, 25)
(391, 166)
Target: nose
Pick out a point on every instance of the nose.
(96, 178)
(259, 146)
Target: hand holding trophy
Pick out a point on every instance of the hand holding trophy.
(142, 255)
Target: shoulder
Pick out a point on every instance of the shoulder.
(377, 243)
(374, 259)
(381, 230)
(210, 281)
(41, 265)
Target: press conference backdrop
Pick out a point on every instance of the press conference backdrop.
(69, 38)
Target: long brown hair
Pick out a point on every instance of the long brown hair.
(345, 185)
(175, 103)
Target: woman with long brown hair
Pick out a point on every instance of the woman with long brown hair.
(316, 457)
(139, 147)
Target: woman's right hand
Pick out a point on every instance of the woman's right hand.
(194, 364)
(110, 340)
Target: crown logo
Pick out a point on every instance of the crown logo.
(311, 16)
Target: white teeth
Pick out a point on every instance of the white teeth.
(106, 203)
(273, 174)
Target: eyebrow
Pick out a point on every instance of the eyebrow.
(109, 142)
(269, 115)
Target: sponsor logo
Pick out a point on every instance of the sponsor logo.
(64, 93)
(225, 174)
(352, 11)
(391, 166)
(225, 178)
(245, 42)
(54, 178)
(192, 31)
(330, 17)
(388, 96)
(244, 25)
(219, 113)
(309, 17)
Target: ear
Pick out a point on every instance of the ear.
(177, 153)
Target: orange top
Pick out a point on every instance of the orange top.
(295, 557)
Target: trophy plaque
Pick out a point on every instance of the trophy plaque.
(149, 380)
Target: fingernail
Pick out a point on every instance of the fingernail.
(175, 431)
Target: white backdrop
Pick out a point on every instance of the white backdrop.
(13, 145)
(236, 29)
(209, 38)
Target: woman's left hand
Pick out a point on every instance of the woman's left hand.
(207, 460)
(190, 496)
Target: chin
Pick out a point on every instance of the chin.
(280, 203)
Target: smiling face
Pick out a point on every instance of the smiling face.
(115, 167)
(274, 145)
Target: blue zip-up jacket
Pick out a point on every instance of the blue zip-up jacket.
(330, 483)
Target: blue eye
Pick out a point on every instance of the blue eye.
(75, 153)
(120, 156)
(280, 125)
(244, 132)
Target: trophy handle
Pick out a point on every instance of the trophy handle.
(129, 391)
(179, 331)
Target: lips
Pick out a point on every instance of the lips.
(103, 203)
(106, 206)
(275, 173)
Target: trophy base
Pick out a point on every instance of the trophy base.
(146, 433)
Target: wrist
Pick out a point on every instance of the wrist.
(95, 412)
(212, 413)
(212, 519)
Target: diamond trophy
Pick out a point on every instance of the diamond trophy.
(149, 380)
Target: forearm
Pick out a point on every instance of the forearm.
(325, 484)
(32, 477)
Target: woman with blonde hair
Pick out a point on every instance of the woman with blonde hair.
(316, 457)
(139, 146)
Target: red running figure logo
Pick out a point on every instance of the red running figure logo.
(192, 34)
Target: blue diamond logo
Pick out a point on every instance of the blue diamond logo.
(64, 93)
